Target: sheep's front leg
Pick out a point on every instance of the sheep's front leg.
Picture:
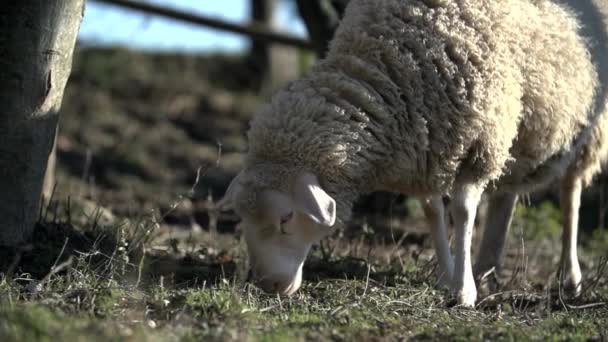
(500, 213)
(435, 214)
(464, 208)
(570, 199)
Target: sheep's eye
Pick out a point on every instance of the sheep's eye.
(267, 231)
(284, 220)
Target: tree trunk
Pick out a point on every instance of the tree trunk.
(36, 46)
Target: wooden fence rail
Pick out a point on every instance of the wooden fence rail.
(255, 31)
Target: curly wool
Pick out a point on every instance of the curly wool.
(422, 96)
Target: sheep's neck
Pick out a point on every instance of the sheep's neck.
(392, 137)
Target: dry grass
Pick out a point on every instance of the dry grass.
(141, 280)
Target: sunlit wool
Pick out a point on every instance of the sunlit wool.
(424, 97)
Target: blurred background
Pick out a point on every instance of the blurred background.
(153, 99)
(106, 24)
(161, 91)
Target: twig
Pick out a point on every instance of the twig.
(36, 287)
(397, 244)
(196, 180)
(506, 294)
(60, 253)
(487, 273)
(369, 268)
(140, 267)
(600, 273)
(585, 306)
(560, 289)
(219, 153)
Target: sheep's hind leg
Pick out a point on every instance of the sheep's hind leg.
(434, 210)
(464, 208)
(489, 259)
(570, 198)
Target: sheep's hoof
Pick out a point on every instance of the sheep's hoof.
(466, 298)
(571, 282)
(464, 289)
(572, 286)
(461, 300)
(466, 293)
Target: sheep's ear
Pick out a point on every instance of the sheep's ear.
(227, 202)
(313, 201)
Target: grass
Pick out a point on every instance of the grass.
(87, 278)
(121, 254)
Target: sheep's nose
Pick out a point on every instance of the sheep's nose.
(273, 286)
(284, 288)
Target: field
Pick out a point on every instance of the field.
(131, 246)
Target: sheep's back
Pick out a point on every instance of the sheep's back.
(560, 82)
(483, 87)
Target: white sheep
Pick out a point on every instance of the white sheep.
(579, 174)
(502, 204)
(425, 98)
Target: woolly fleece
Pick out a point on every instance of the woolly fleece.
(420, 97)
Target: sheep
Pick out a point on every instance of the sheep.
(578, 175)
(422, 97)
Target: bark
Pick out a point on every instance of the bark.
(48, 186)
(36, 46)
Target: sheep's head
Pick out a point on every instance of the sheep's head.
(280, 225)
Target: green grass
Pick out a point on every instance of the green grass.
(114, 287)
(341, 310)
(537, 223)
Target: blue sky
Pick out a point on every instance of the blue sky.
(106, 24)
